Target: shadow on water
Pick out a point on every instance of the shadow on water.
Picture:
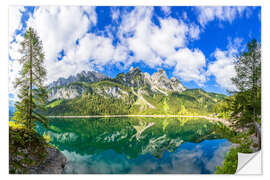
(138, 145)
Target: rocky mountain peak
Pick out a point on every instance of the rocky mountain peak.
(160, 82)
(84, 76)
(134, 70)
(174, 79)
(134, 77)
(159, 75)
(161, 71)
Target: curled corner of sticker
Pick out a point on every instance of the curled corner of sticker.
(249, 163)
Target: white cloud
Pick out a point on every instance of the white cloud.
(15, 15)
(120, 53)
(189, 65)
(166, 10)
(171, 35)
(14, 47)
(222, 13)
(92, 51)
(135, 32)
(151, 43)
(98, 49)
(222, 69)
(14, 69)
(13, 64)
(235, 45)
(115, 13)
(165, 45)
(148, 42)
(185, 17)
(223, 66)
(194, 31)
(59, 28)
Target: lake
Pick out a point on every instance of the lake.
(138, 145)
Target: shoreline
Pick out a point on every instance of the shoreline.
(54, 163)
(224, 121)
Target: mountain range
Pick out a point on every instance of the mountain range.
(134, 92)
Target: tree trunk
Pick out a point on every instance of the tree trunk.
(258, 133)
(31, 84)
(254, 89)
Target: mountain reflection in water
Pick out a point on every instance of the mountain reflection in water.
(138, 145)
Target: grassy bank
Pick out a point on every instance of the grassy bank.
(26, 148)
(30, 153)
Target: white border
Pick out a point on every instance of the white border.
(138, 2)
(4, 79)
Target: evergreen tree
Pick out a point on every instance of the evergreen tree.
(32, 92)
(248, 84)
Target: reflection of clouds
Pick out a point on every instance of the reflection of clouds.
(105, 162)
(218, 157)
(184, 161)
(188, 158)
(76, 163)
(146, 167)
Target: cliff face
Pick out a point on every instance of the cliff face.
(158, 82)
(135, 78)
(134, 92)
(63, 93)
(111, 92)
(90, 76)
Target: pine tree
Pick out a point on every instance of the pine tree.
(32, 92)
(248, 83)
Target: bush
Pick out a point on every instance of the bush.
(26, 148)
(231, 159)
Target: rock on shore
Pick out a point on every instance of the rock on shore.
(29, 153)
(53, 164)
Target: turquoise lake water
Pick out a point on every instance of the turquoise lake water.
(138, 145)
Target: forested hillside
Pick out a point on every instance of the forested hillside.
(132, 93)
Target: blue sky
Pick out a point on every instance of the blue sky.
(195, 44)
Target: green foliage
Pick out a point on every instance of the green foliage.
(248, 68)
(32, 92)
(54, 103)
(108, 83)
(243, 142)
(189, 102)
(224, 108)
(248, 83)
(46, 137)
(93, 104)
(26, 148)
(227, 132)
(231, 159)
(243, 108)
